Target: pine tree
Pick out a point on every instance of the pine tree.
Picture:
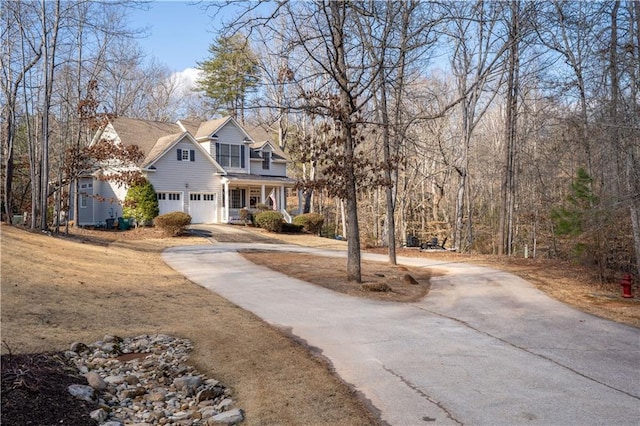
(230, 75)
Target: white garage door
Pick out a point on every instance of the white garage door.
(202, 207)
(169, 202)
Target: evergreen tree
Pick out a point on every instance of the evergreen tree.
(570, 220)
(229, 75)
(141, 203)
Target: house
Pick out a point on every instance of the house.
(209, 170)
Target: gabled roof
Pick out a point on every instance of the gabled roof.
(261, 138)
(276, 152)
(143, 133)
(189, 126)
(162, 145)
(208, 128)
(166, 143)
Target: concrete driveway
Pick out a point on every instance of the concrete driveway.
(483, 348)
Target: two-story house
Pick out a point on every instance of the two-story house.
(209, 170)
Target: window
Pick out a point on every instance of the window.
(201, 197)
(266, 160)
(83, 201)
(237, 198)
(186, 155)
(171, 196)
(230, 155)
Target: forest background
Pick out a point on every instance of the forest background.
(506, 127)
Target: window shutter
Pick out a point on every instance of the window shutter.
(179, 154)
(192, 155)
(242, 150)
(218, 152)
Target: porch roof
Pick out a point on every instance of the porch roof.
(259, 179)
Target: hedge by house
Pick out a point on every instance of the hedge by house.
(141, 203)
(173, 224)
(270, 220)
(310, 222)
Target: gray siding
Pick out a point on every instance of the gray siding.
(172, 175)
(277, 169)
(231, 135)
(98, 211)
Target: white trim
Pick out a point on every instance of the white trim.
(199, 147)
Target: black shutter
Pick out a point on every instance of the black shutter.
(242, 149)
(192, 155)
(218, 152)
(179, 154)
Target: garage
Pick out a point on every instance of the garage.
(202, 207)
(169, 202)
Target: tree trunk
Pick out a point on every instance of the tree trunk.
(505, 231)
(347, 109)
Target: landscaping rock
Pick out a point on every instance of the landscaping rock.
(95, 381)
(230, 417)
(84, 392)
(159, 388)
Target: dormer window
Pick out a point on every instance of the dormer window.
(266, 160)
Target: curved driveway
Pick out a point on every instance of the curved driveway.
(483, 348)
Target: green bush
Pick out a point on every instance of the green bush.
(173, 224)
(262, 207)
(310, 222)
(270, 220)
(291, 228)
(141, 203)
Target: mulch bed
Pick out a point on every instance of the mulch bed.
(34, 391)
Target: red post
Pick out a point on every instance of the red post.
(626, 286)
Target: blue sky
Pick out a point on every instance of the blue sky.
(179, 32)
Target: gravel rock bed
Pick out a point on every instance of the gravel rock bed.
(145, 380)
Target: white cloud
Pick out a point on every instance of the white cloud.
(186, 80)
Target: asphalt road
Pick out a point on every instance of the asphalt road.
(483, 348)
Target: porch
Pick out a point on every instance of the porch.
(248, 192)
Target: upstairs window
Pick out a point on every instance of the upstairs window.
(186, 155)
(228, 155)
(266, 160)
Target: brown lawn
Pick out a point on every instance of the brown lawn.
(56, 291)
(59, 290)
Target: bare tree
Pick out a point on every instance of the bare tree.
(20, 53)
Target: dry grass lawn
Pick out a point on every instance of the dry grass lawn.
(59, 290)
(56, 291)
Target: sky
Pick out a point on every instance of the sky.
(180, 33)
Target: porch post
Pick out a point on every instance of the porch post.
(283, 199)
(262, 200)
(225, 212)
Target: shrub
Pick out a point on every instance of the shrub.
(291, 228)
(270, 220)
(246, 216)
(310, 222)
(173, 224)
(262, 207)
(141, 203)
